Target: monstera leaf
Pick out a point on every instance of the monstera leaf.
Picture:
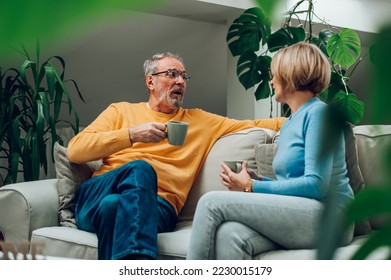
(253, 69)
(246, 33)
(336, 85)
(322, 39)
(286, 36)
(262, 64)
(344, 47)
(349, 107)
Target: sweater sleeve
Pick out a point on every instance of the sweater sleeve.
(101, 138)
(272, 123)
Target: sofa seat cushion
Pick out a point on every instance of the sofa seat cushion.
(67, 242)
(174, 244)
(70, 242)
(342, 253)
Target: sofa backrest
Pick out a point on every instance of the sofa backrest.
(374, 149)
(372, 144)
(234, 146)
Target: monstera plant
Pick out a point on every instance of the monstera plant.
(251, 39)
(31, 98)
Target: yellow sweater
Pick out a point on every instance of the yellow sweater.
(177, 167)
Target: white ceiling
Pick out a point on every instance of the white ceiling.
(363, 15)
(194, 10)
(203, 10)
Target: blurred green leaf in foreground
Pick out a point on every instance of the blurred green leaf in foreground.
(53, 22)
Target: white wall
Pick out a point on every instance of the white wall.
(107, 62)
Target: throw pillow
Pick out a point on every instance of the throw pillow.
(69, 177)
(356, 179)
(373, 142)
(264, 154)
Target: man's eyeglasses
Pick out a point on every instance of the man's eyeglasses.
(173, 74)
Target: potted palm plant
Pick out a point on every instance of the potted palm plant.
(31, 99)
(251, 39)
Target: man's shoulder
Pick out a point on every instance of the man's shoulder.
(125, 104)
(193, 110)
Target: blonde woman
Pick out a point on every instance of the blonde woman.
(262, 214)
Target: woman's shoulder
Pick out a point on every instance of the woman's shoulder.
(317, 107)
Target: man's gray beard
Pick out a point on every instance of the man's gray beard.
(176, 102)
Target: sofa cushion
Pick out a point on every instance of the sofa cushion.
(374, 143)
(356, 179)
(67, 242)
(175, 244)
(234, 146)
(264, 154)
(69, 175)
(70, 242)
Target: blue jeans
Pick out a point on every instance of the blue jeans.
(122, 207)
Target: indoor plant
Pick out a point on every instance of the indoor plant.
(251, 34)
(374, 202)
(370, 202)
(31, 99)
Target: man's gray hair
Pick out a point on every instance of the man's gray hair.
(151, 64)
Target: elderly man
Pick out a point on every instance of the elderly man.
(144, 181)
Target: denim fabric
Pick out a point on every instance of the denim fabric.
(239, 225)
(122, 207)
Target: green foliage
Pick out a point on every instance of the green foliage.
(344, 48)
(369, 203)
(373, 202)
(252, 29)
(55, 22)
(31, 98)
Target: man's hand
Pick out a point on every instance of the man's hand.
(148, 133)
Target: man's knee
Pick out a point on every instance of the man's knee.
(109, 204)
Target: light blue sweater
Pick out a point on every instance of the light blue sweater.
(300, 168)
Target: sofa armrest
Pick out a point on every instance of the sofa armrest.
(27, 206)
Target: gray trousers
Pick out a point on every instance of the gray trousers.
(236, 225)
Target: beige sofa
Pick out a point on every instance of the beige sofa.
(30, 210)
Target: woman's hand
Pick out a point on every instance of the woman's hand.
(235, 181)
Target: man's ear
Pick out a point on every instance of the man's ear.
(149, 81)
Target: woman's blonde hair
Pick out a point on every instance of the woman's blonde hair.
(302, 66)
